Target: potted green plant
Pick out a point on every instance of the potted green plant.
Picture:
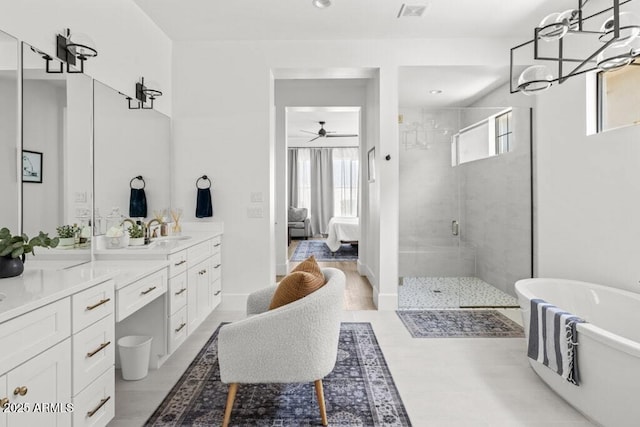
(14, 248)
(136, 235)
(67, 234)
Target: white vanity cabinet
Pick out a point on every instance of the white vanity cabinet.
(54, 353)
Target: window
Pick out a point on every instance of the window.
(487, 138)
(503, 132)
(619, 98)
(346, 171)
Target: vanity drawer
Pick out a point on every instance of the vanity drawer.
(216, 267)
(177, 263)
(31, 333)
(140, 293)
(177, 329)
(93, 352)
(96, 406)
(197, 252)
(91, 305)
(177, 292)
(216, 244)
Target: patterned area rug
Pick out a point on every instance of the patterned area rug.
(320, 250)
(459, 324)
(359, 392)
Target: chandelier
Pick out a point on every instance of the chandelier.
(577, 41)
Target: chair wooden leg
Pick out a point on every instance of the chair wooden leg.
(320, 397)
(233, 388)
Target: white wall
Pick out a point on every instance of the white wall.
(588, 227)
(305, 93)
(9, 184)
(129, 44)
(222, 127)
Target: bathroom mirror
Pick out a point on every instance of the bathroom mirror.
(56, 142)
(128, 143)
(9, 142)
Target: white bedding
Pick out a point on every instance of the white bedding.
(345, 229)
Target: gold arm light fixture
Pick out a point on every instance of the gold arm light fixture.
(577, 41)
(144, 93)
(71, 49)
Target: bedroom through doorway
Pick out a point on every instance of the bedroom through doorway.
(323, 193)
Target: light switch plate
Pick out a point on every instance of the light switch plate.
(254, 212)
(256, 196)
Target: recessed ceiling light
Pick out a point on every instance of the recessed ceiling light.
(435, 91)
(321, 4)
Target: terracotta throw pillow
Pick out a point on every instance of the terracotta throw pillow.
(309, 265)
(303, 280)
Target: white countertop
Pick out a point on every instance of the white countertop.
(46, 281)
(159, 247)
(40, 286)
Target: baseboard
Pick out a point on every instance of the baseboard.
(388, 302)
(233, 302)
(282, 269)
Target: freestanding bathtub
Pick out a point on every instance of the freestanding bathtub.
(608, 349)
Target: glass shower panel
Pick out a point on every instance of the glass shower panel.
(465, 206)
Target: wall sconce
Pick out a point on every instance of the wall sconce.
(142, 93)
(70, 49)
(608, 39)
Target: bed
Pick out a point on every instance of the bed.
(342, 229)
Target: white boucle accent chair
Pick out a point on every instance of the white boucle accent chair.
(295, 343)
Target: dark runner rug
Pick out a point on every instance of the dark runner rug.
(459, 324)
(321, 251)
(359, 392)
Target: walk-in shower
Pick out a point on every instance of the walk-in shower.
(465, 206)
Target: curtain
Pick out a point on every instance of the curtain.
(293, 177)
(321, 189)
(346, 172)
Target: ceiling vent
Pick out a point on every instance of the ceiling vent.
(416, 10)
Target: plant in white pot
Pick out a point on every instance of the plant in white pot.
(67, 234)
(14, 248)
(136, 235)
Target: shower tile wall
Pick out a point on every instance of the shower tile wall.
(496, 210)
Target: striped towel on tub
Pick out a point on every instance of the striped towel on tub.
(553, 339)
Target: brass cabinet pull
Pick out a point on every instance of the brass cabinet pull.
(180, 263)
(217, 293)
(102, 347)
(97, 408)
(20, 391)
(98, 304)
(148, 290)
(3, 402)
(216, 245)
(217, 266)
(181, 291)
(181, 326)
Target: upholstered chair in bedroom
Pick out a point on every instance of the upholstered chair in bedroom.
(299, 223)
(294, 343)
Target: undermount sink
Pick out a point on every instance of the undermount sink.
(160, 239)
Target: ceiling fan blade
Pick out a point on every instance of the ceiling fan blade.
(306, 131)
(311, 140)
(342, 136)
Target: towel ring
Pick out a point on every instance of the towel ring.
(139, 177)
(204, 178)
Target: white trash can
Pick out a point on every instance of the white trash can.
(134, 351)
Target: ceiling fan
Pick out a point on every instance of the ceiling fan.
(323, 133)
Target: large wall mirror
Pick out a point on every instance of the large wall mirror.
(56, 142)
(9, 143)
(129, 143)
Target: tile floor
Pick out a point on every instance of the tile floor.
(470, 382)
(417, 293)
